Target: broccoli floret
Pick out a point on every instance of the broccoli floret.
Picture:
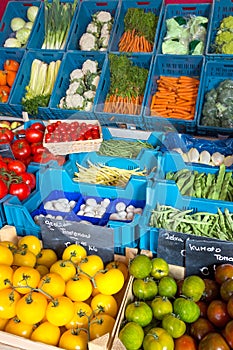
(224, 36)
(228, 48)
(227, 22)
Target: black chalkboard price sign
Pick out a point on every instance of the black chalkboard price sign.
(6, 151)
(58, 234)
(203, 255)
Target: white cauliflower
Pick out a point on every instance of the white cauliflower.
(103, 40)
(106, 28)
(93, 28)
(89, 95)
(89, 66)
(76, 75)
(88, 106)
(77, 87)
(87, 42)
(102, 16)
(75, 101)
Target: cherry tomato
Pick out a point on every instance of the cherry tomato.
(29, 179)
(50, 128)
(34, 135)
(21, 149)
(17, 166)
(21, 190)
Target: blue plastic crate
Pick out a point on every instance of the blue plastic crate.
(185, 10)
(143, 61)
(16, 9)
(23, 78)
(179, 65)
(86, 10)
(147, 6)
(166, 193)
(16, 55)
(214, 73)
(220, 10)
(71, 61)
(38, 34)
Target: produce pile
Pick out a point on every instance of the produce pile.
(122, 148)
(7, 78)
(175, 314)
(65, 301)
(185, 35)
(218, 105)
(127, 86)
(224, 37)
(139, 31)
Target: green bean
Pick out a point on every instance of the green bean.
(225, 186)
(123, 148)
(217, 188)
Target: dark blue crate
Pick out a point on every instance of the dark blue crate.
(86, 10)
(147, 6)
(143, 61)
(186, 10)
(17, 55)
(163, 65)
(16, 9)
(71, 61)
(213, 73)
(38, 34)
(220, 10)
(23, 78)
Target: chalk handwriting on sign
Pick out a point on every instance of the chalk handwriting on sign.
(58, 234)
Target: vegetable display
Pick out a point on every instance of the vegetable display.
(127, 86)
(185, 35)
(21, 29)
(40, 86)
(97, 33)
(218, 106)
(57, 20)
(175, 97)
(7, 78)
(122, 148)
(139, 31)
(224, 38)
(82, 87)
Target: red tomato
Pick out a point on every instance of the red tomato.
(38, 126)
(3, 165)
(213, 341)
(29, 179)
(217, 313)
(6, 134)
(17, 166)
(34, 135)
(42, 157)
(228, 333)
(37, 147)
(50, 128)
(200, 328)
(185, 342)
(21, 149)
(21, 190)
(3, 189)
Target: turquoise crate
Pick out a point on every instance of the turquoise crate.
(221, 9)
(147, 6)
(109, 119)
(17, 55)
(86, 10)
(23, 78)
(12, 10)
(71, 61)
(166, 193)
(184, 10)
(38, 34)
(214, 72)
(179, 65)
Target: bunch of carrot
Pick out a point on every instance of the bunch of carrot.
(123, 105)
(175, 97)
(132, 42)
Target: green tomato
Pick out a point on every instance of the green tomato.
(160, 268)
(161, 306)
(139, 312)
(186, 309)
(173, 325)
(158, 339)
(132, 335)
(140, 266)
(193, 287)
(167, 287)
(145, 289)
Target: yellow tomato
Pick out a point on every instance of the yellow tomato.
(81, 313)
(8, 300)
(78, 288)
(74, 252)
(91, 265)
(17, 327)
(65, 269)
(74, 339)
(24, 278)
(118, 265)
(46, 333)
(31, 307)
(3, 322)
(60, 311)
(42, 269)
(52, 284)
(9, 245)
(31, 243)
(104, 304)
(6, 255)
(46, 257)
(100, 325)
(6, 274)
(109, 282)
(24, 258)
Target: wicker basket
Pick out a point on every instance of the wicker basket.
(63, 148)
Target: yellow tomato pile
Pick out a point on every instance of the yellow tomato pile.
(65, 302)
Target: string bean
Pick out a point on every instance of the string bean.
(123, 148)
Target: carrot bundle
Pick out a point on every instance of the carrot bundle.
(175, 97)
(123, 105)
(132, 42)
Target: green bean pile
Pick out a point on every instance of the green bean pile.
(201, 185)
(219, 225)
(122, 148)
